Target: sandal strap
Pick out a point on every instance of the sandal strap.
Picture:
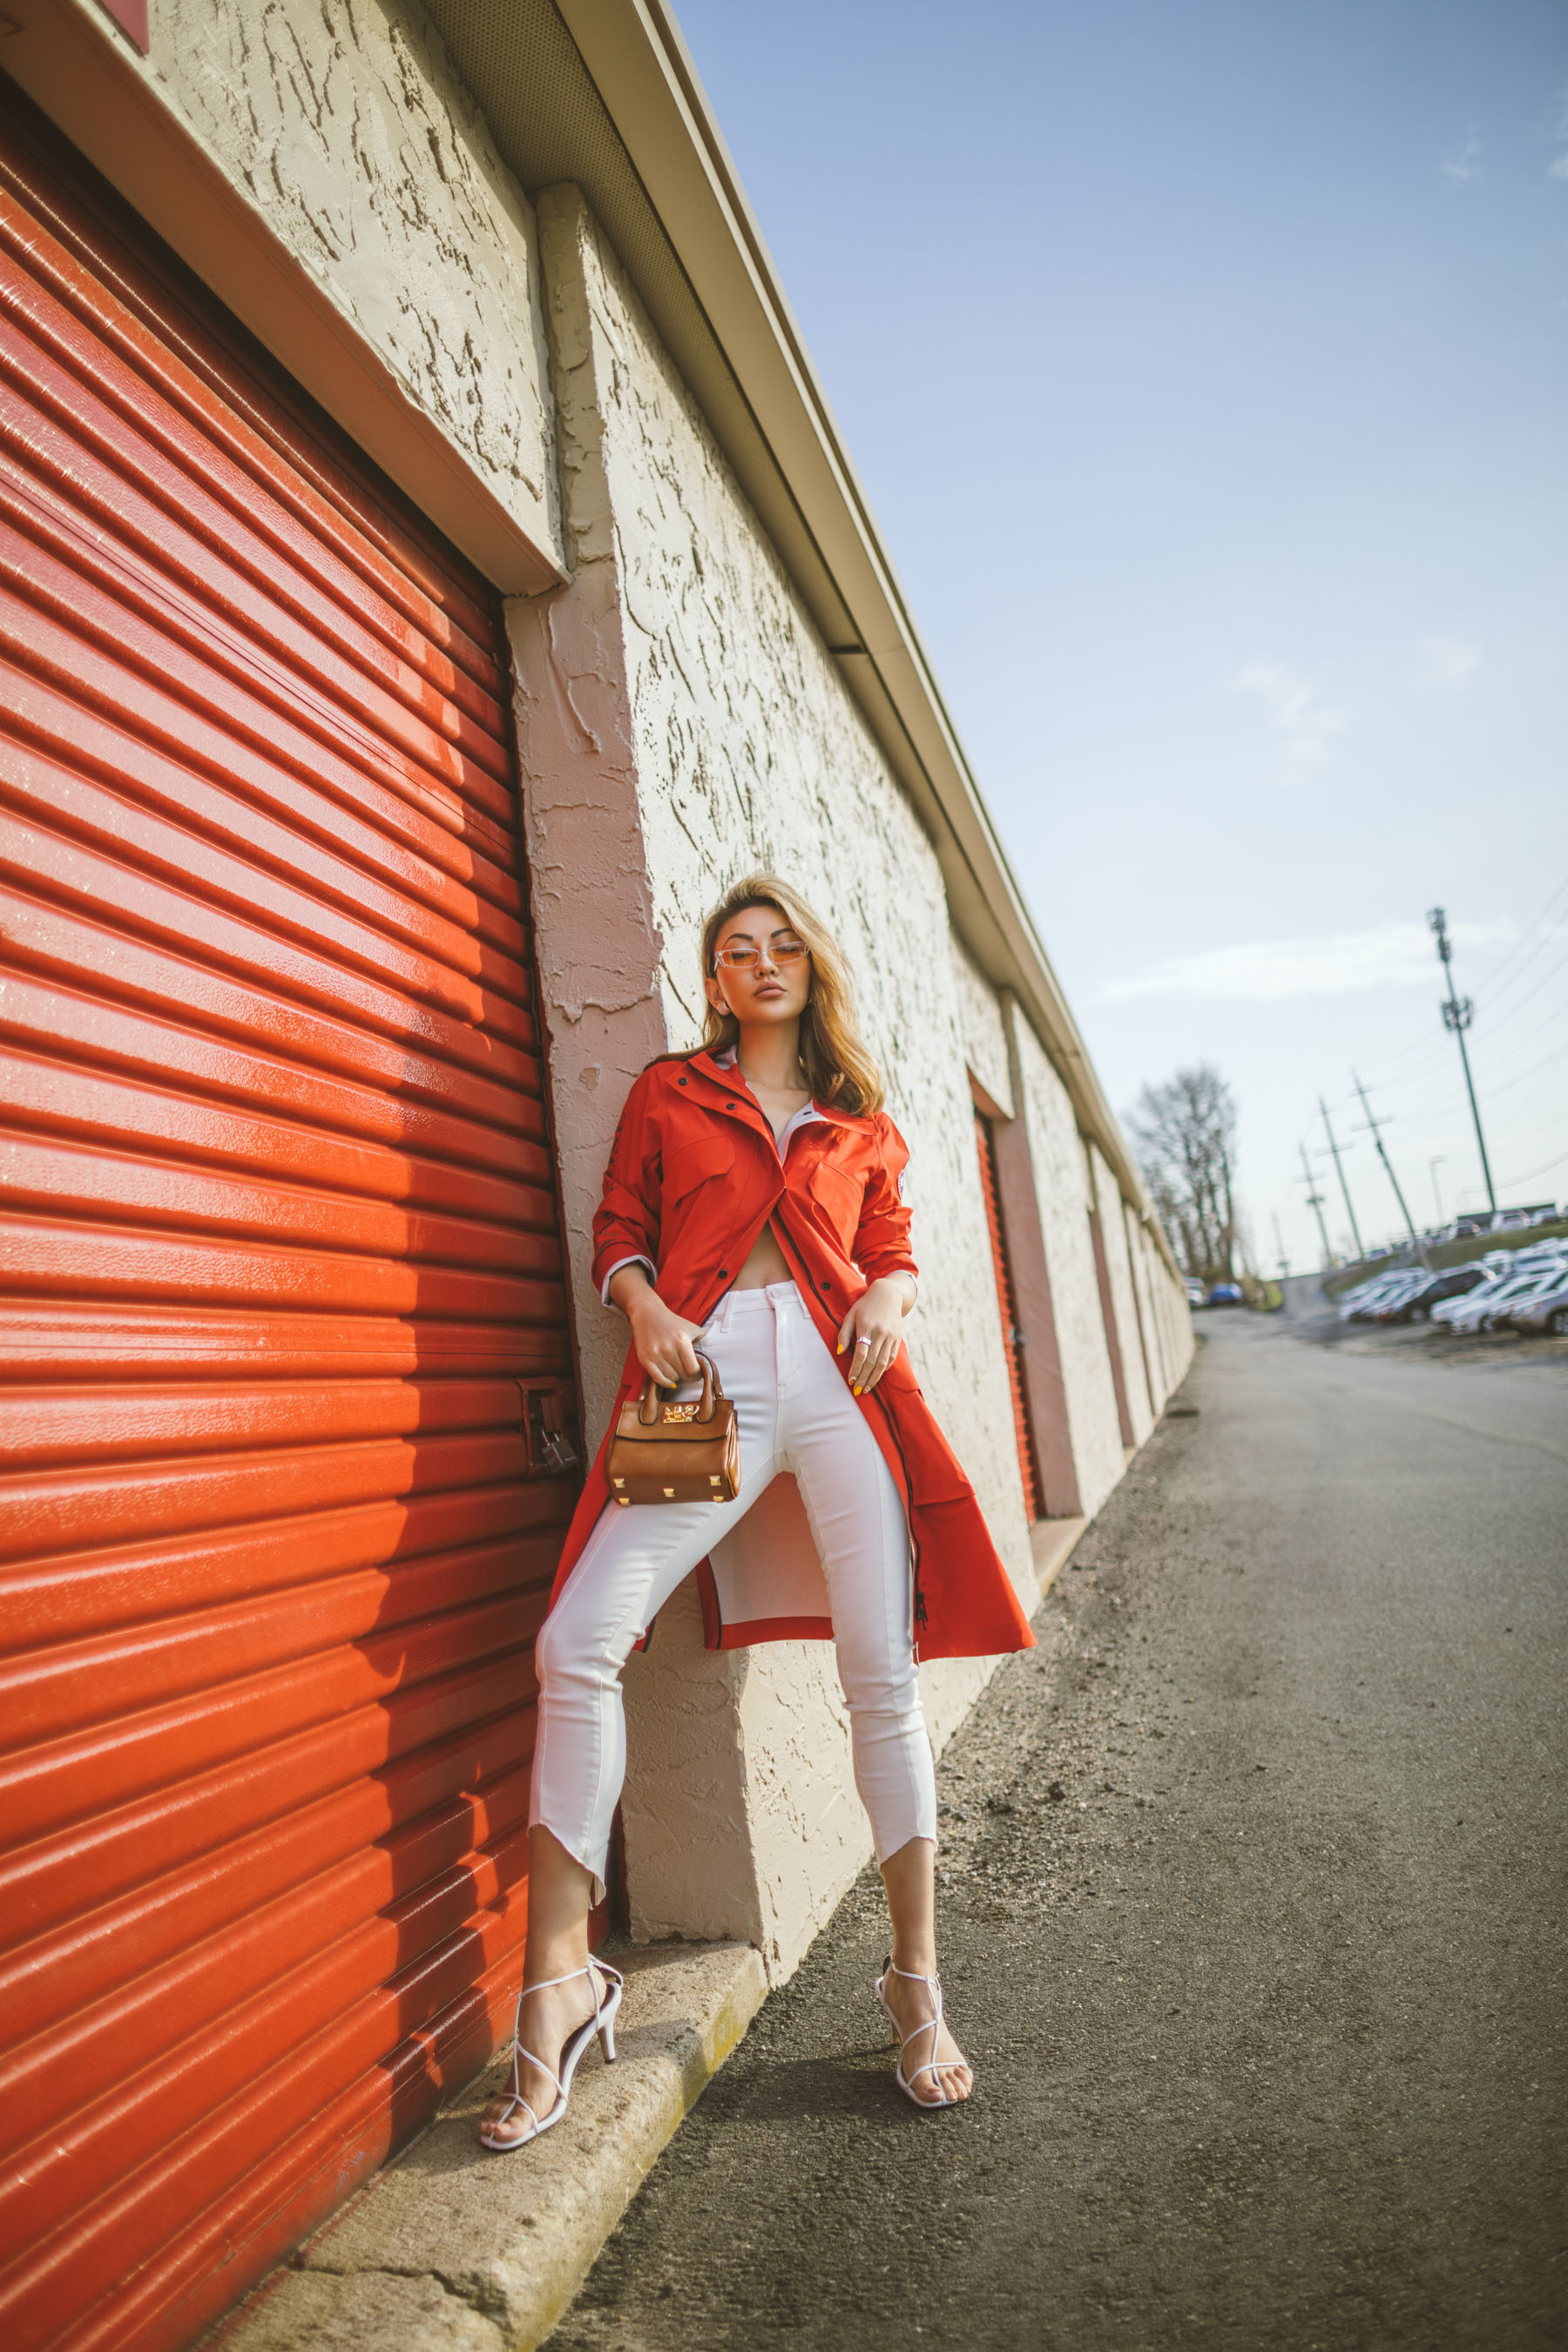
(933, 2025)
(519, 2052)
(602, 1967)
(516, 2099)
(615, 1979)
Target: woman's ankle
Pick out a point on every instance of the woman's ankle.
(557, 1962)
(919, 1961)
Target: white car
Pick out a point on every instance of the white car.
(1491, 1298)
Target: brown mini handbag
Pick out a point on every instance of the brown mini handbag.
(667, 1453)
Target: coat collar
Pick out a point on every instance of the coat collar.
(725, 1074)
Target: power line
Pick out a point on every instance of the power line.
(1530, 1174)
(1530, 994)
(1498, 976)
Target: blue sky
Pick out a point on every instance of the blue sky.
(1205, 368)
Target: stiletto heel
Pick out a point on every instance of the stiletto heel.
(602, 2023)
(931, 2026)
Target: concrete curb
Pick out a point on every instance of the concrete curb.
(452, 2249)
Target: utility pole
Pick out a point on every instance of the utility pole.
(1315, 1202)
(1338, 1170)
(1457, 1015)
(1377, 1139)
(1279, 1244)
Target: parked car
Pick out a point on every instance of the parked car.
(1197, 1295)
(1365, 1295)
(1416, 1306)
(1387, 1293)
(1447, 1309)
(1546, 1307)
(1226, 1294)
(1490, 1303)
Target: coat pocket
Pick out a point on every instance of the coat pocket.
(836, 1196)
(692, 1164)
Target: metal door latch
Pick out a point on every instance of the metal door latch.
(546, 1430)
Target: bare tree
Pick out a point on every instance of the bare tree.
(1183, 1133)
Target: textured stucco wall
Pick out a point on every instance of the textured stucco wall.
(345, 127)
(681, 722)
(1114, 1227)
(1144, 1284)
(984, 1027)
(1061, 1187)
(1138, 1266)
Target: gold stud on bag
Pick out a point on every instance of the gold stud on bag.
(667, 1453)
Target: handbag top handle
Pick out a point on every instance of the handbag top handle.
(712, 1388)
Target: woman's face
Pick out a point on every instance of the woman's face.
(766, 994)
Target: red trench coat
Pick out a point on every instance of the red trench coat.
(694, 1175)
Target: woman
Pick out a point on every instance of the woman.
(752, 1206)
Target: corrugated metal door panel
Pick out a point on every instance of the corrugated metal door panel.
(278, 1241)
(1023, 1433)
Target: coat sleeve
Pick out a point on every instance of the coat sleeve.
(627, 1221)
(882, 1237)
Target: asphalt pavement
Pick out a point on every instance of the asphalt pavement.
(1253, 1921)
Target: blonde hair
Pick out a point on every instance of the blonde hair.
(837, 1067)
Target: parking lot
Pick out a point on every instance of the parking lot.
(1311, 1316)
(1499, 1306)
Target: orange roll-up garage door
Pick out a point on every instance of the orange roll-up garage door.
(282, 1324)
(1023, 1433)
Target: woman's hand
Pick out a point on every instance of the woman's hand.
(662, 1338)
(870, 1329)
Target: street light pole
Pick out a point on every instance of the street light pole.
(1315, 1202)
(1440, 1161)
(1457, 1015)
(1338, 1170)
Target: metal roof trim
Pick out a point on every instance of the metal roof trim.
(647, 82)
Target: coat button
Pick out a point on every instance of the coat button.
(723, 1273)
(729, 1106)
(680, 1082)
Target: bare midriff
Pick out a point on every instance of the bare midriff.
(765, 1263)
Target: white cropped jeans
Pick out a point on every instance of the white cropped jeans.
(795, 1412)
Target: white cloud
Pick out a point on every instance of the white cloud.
(1444, 663)
(1559, 167)
(1338, 964)
(1294, 710)
(1467, 163)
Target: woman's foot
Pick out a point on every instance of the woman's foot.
(936, 2077)
(546, 2022)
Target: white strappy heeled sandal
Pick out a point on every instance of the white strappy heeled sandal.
(931, 2026)
(602, 2023)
